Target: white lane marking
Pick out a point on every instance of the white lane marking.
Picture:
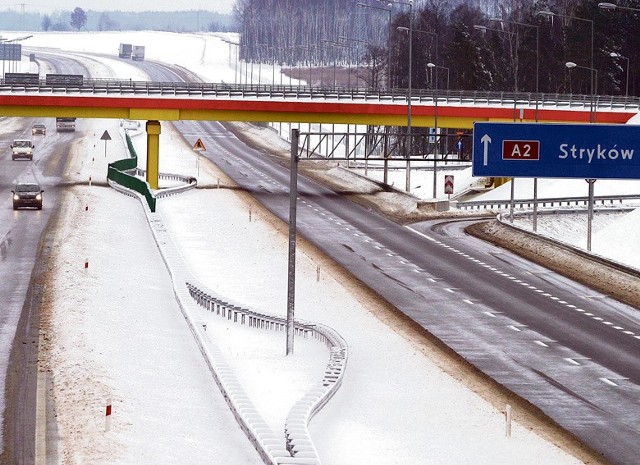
(514, 279)
(540, 343)
(468, 301)
(572, 361)
(515, 328)
(608, 381)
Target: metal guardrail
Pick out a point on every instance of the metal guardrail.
(470, 97)
(298, 441)
(545, 202)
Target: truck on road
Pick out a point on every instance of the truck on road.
(137, 52)
(124, 51)
(65, 124)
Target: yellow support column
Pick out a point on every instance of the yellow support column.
(153, 153)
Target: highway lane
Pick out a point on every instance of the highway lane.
(569, 350)
(24, 248)
(21, 233)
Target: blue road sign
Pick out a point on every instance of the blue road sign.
(588, 151)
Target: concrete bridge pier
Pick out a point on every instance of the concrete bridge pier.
(153, 153)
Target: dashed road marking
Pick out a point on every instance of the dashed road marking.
(608, 381)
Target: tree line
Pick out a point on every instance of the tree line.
(61, 20)
(509, 45)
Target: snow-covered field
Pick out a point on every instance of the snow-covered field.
(115, 330)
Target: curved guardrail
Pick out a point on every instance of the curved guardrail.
(462, 97)
(297, 438)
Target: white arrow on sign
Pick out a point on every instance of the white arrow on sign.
(486, 140)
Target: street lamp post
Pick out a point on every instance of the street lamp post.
(594, 73)
(356, 41)
(571, 65)
(410, 31)
(535, 180)
(433, 65)
(612, 6)
(389, 10)
(484, 30)
(408, 168)
(435, 125)
(537, 53)
(333, 44)
(550, 14)
(433, 34)
(617, 55)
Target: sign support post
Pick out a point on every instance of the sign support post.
(105, 137)
(291, 281)
(198, 147)
(590, 213)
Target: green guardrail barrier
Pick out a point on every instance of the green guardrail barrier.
(117, 173)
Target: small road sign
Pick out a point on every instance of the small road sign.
(448, 184)
(199, 146)
(587, 151)
(520, 150)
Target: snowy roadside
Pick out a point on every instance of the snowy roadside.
(113, 330)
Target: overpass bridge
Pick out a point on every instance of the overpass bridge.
(174, 101)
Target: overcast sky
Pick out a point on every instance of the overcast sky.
(220, 6)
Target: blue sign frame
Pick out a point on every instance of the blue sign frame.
(547, 150)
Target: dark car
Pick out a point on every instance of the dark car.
(39, 129)
(27, 195)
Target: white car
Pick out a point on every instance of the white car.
(22, 148)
